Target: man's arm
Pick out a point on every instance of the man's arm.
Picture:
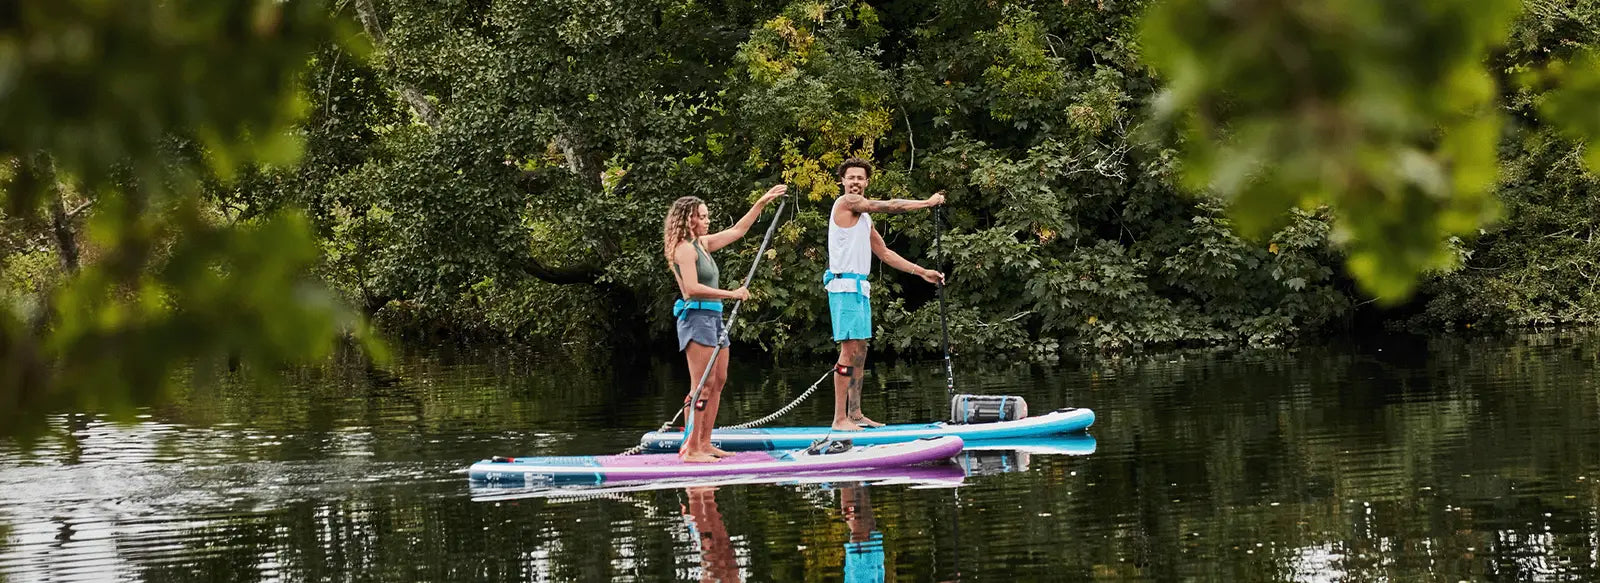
(860, 204)
(892, 259)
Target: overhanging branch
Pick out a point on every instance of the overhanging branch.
(412, 96)
(560, 275)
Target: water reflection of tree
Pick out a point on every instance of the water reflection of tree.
(1436, 460)
(1445, 458)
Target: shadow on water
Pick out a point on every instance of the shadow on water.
(1433, 459)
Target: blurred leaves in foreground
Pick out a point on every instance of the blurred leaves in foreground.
(114, 113)
(1383, 110)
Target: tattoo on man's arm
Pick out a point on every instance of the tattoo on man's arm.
(895, 206)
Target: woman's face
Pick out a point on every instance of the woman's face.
(700, 221)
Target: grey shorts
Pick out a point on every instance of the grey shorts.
(700, 326)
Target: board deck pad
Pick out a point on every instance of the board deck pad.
(659, 460)
(1057, 422)
(612, 468)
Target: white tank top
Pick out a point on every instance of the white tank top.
(849, 251)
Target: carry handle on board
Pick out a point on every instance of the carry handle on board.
(966, 409)
(825, 445)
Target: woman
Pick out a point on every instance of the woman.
(699, 308)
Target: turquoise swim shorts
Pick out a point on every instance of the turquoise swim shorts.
(852, 315)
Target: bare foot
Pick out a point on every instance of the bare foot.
(863, 420)
(846, 425)
(698, 458)
(719, 452)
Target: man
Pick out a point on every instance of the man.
(851, 244)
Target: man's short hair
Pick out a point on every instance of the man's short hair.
(855, 163)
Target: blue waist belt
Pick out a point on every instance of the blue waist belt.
(680, 307)
(828, 276)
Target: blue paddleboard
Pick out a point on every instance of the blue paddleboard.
(1055, 422)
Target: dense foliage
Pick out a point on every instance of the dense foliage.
(183, 178)
(521, 193)
(117, 273)
(1540, 263)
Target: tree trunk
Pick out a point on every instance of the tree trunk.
(61, 227)
(560, 275)
(413, 96)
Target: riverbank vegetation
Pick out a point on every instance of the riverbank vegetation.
(249, 182)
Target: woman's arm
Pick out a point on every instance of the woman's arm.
(720, 239)
(689, 286)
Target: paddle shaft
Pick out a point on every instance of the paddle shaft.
(944, 323)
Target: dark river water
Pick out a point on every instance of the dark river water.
(1384, 460)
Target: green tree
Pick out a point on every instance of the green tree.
(1382, 110)
(117, 111)
(1386, 112)
(524, 193)
(1537, 266)
(499, 168)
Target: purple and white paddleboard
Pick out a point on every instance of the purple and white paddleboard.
(917, 476)
(617, 468)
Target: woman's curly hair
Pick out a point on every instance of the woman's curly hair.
(676, 228)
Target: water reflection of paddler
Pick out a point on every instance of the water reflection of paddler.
(717, 559)
(863, 553)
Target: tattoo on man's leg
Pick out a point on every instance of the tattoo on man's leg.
(853, 407)
(852, 399)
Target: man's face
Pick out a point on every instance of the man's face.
(855, 180)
